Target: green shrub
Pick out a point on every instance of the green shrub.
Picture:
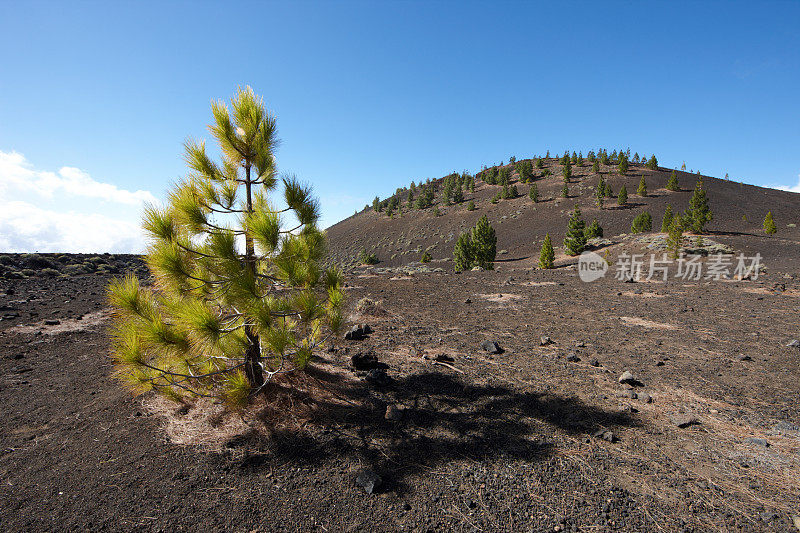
(699, 213)
(642, 190)
(769, 224)
(49, 272)
(575, 240)
(593, 230)
(479, 248)
(471, 205)
(366, 258)
(666, 222)
(426, 257)
(533, 193)
(675, 237)
(622, 197)
(672, 182)
(642, 222)
(547, 255)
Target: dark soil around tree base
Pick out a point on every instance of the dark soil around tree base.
(516, 441)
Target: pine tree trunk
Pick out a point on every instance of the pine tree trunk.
(252, 357)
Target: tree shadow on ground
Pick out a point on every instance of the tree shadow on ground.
(444, 418)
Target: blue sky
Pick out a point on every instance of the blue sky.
(369, 95)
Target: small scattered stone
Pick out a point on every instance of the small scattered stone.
(573, 358)
(758, 442)
(545, 341)
(443, 358)
(606, 435)
(580, 344)
(743, 357)
(784, 426)
(378, 377)
(492, 347)
(368, 480)
(393, 413)
(358, 332)
(794, 343)
(645, 398)
(467, 301)
(628, 379)
(52, 322)
(594, 362)
(684, 421)
(364, 360)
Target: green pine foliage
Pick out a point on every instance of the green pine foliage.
(666, 222)
(622, 197)
(622, 165)
(600, 193)
(642, 222)
(533, 193)
(220, 320)
(672, 182)
(426, 257)
(596, 166)
(575, 240)
(642, 189)
(547, 255)
(366, 258)
(593, 230)
(652, 163)
(565, 190)
(477, 248)
(699, 213)
(525, 171)
(675, 237)
(769, 224)
(462, 253)
(567, 171)
(471, 205)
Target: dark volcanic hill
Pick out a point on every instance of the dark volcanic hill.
(739, 210)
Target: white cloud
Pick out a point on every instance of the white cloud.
(67, 211)
(795, 188)
(16, 172)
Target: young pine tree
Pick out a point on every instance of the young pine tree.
(622, 197)
(547, 255)
(622, 166)
(478, 248)
(672, 182)
(471, 205)
(593, 230)
(220, 320)
(667, 220)
(769, 225)
(462, 253)
(575, 240)
(642, 222)
(484, 244)
(652, 163)
(642, 190)
(534, 193)
(565, 190)
(596, 166)
(600, 193)
(699, 213)
(675, 237)
(567, 171)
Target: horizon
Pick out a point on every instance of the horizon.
(371, 97)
